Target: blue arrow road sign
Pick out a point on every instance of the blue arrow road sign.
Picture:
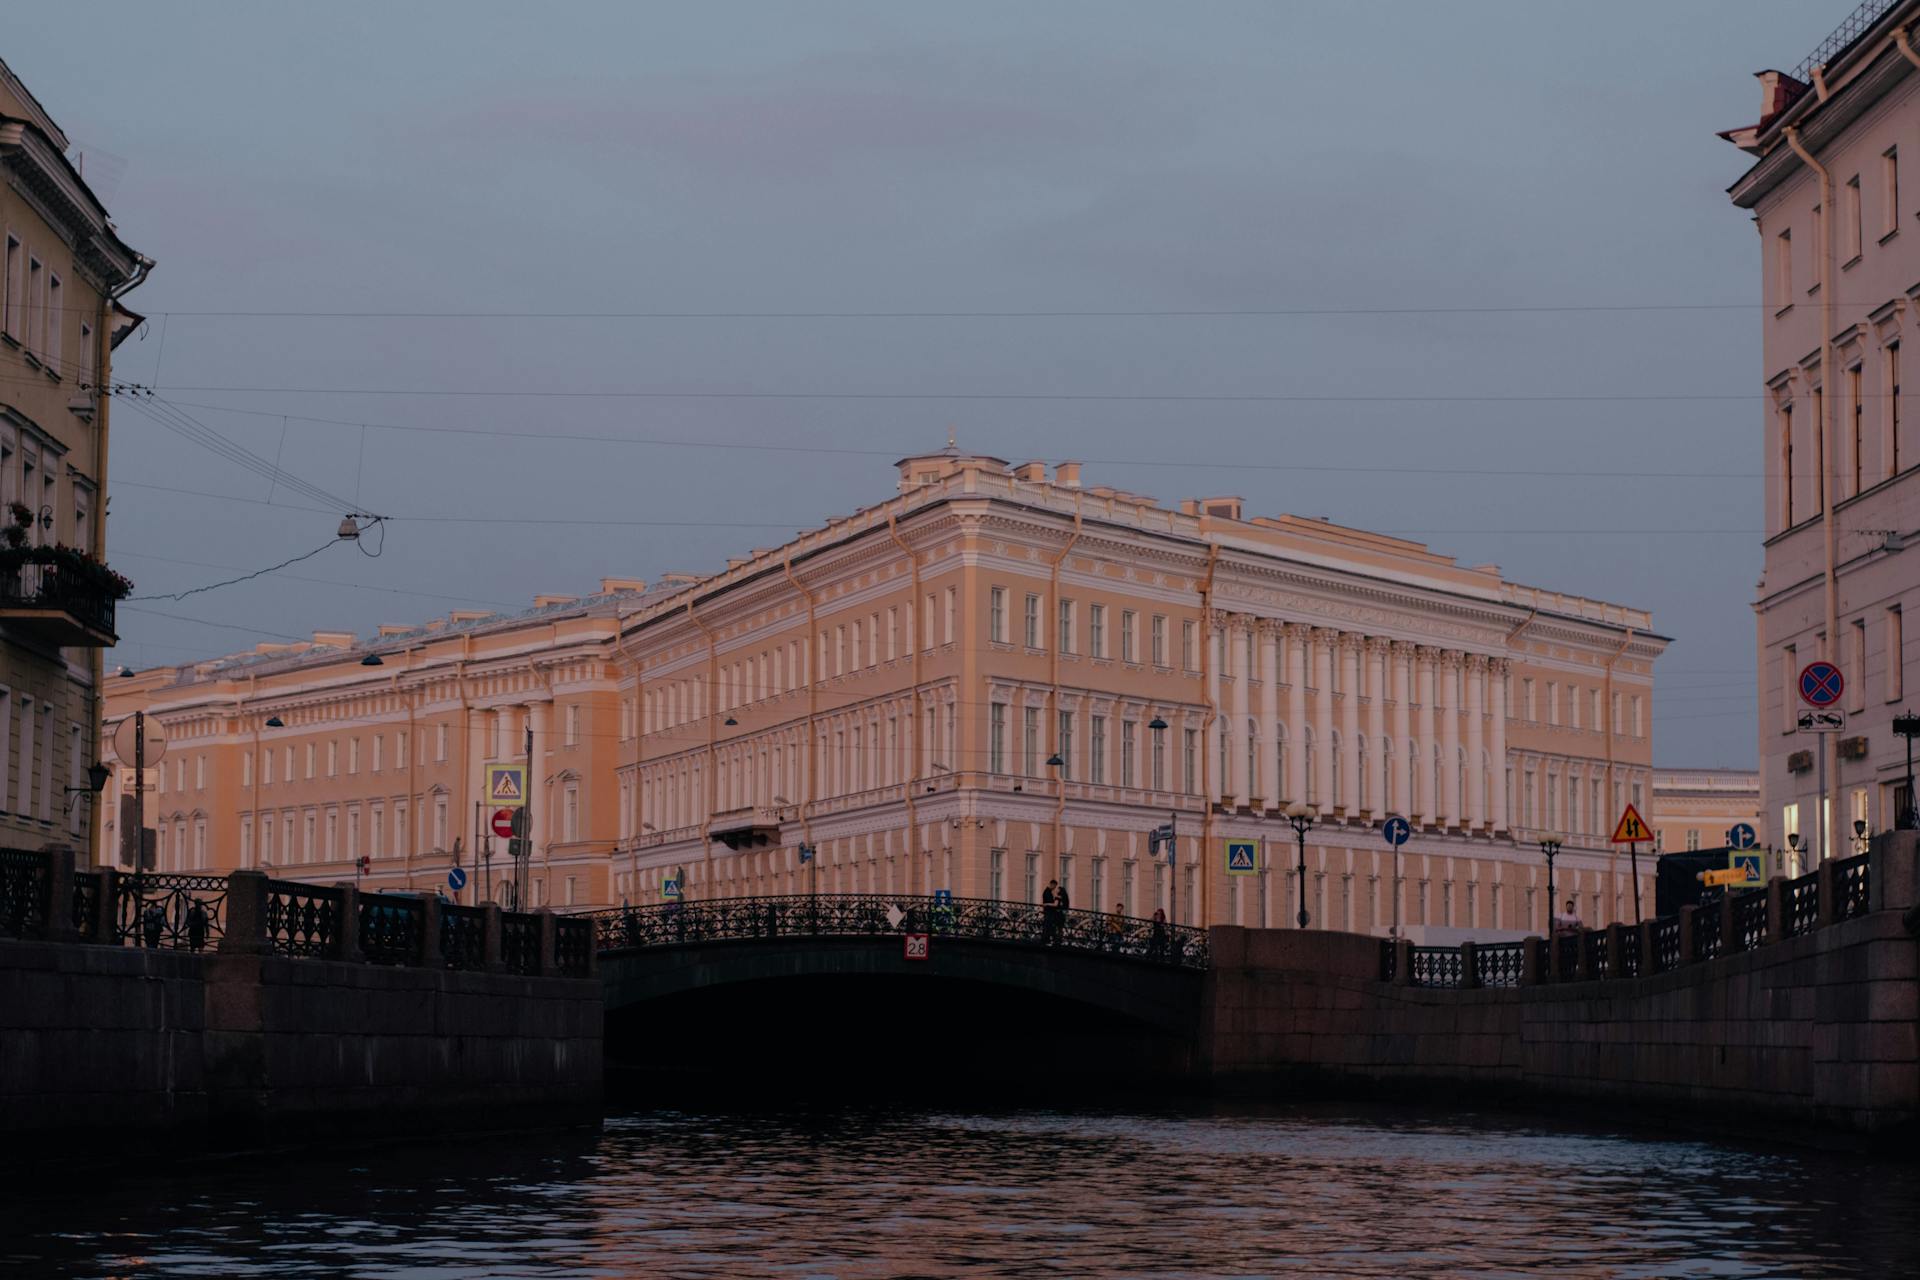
(1396, 829)
(1741, 835)
(457, 879)
(943, 897)
(1821, 684)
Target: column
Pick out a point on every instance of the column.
(1497, 757)
(1423, 796)
(1477, 780)
(1399, 657)
(1267, 785)
(1208, 765)
(1297, 637)
(1448, 678)
(1241, 627)
(1323, 763)
(1377, 785)
(1349, 658)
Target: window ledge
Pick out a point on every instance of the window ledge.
(1782, 311)
(1850, 263)
(1891, 233)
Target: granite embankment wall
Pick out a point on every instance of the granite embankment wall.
(242, 1046)
(1820, 1027)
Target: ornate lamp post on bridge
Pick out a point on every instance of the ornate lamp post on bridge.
(1908, 727)
(1301, 816)
(1550, 845)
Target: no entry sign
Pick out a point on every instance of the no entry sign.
(503, 823)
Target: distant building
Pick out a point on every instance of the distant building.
(889, 690)
(1695, 808)
(1840, 257)
(63, 269)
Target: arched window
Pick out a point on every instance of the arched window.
(1280, 764)
(1361, 799)
(1313, 779)
(1333, 747)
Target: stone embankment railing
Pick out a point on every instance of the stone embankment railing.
(43, 896)
(1837, 890)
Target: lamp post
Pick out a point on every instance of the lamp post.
(1300, 816)
(1550, 845)
(1859, 835)
(1908, 727)
(1159, 726)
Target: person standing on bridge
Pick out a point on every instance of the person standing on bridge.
(1049, 912)
(1116, 926)
(1157, 939)
(1570, 922)
(1059, 911)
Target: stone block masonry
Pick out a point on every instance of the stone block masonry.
(246, 1047)
(1821, 1029)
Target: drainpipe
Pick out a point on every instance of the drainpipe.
(639, 758)
(1828, 431)
(711, 704)
(813, 695)
(921, 642)
(252, 688)
(1053, 680)
(1906, 49)
(1206, 735)
(1606, 714)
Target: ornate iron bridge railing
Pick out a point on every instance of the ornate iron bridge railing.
(868, 915)
(173, 912)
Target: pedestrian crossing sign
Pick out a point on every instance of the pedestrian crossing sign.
(1241, 859)
(506, 785)
(1752, 866)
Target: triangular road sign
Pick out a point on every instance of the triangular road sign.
(1632, 828)
(1240, 857)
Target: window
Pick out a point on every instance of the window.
(1189, 760)
(1129, 730)
(1893, 408)
(402, 842)
(1188, 632)
(379, 743)
(333, 759)
(353, 755)
(1063, 729)
(1693, 839)
(200, 772)
(15, 285)
(1857, 430)
(1857, 687)
(996, 874)
(573, 725)
(307, 821)
(246, 769)
(310, 758)
(1783, 269)
(996, 615)
(376, 829)
(1639, 725)
(1159, 640)
(1789, 687)
(570, 813)
(1159, 762)
(1851, 210)
(952, 608)
(36, 303)
(1553, 702)
(1030, 744)
(1066, 626)
(1097, 763)
(1031, 631)
(400, 750)
(1097, 630)
(1896, 653)
(997, 738)
(1786, 464)
(1129, 643)
(56, 321)
(1890, 191)
(1820, 464)
(1526, 700)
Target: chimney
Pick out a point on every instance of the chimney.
(470, 615)
(1031, 472)
(1067, 475)
(1225, 508)
(608, 586)
(541, 602)
(335, 639)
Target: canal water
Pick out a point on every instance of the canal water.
(893, 1193)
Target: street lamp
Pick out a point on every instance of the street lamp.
(1793, 843)
(1300, 816)
(1550, 845)
(1859, 835)
(1908, 727)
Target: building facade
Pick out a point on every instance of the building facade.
(1695, 808)
(1840, 275)
(62, 271)
(303, 759)
(889, 691)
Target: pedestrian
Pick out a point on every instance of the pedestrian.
(1157, 939)
(153, 922)
(1060, 906)
(1049, 911)
(196, 926)
(1117, 926)
(1569, 922)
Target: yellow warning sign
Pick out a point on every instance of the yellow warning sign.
(1632, 828)
(506, 785)
(1724, 876)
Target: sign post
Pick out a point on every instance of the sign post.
(1821, 685)
(1630, 831)
(1396, 829)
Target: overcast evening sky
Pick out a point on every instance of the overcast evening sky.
(833, 157)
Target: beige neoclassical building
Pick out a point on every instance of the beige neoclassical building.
(889, 690)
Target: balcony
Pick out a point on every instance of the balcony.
(65, 602)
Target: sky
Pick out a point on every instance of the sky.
(1518, 316)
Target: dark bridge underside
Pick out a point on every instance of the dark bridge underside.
(856, 1011)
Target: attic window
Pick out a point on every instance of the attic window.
(926, 477)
